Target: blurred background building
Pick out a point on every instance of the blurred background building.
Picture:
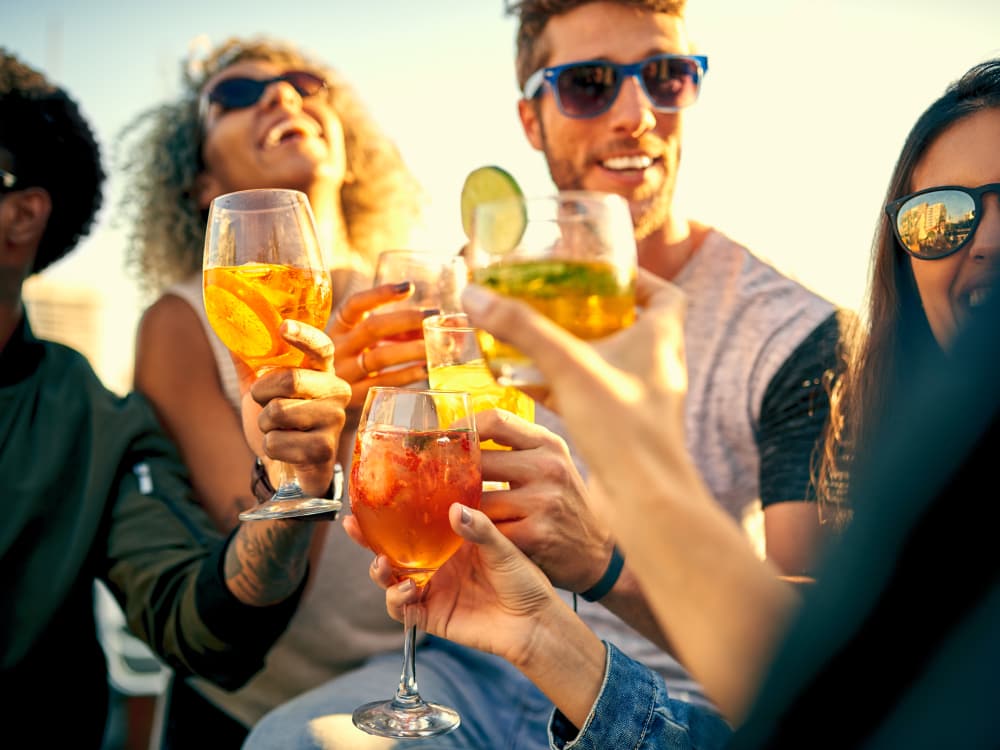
(76, 313)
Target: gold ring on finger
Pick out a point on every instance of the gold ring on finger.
(362, 366)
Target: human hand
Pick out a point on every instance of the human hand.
(545, 512)
(637, 376)
(488, 596)
(364, 358)
(296, 415)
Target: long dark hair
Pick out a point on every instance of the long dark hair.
(894, 331)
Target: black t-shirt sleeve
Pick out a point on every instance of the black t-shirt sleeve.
(793, 415)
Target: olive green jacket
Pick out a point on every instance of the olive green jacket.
(92, 488)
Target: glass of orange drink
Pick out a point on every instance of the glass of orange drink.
(416, 453)
(263, 264)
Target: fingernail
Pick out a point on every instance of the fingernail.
(428, 311)
(402, 286)
(292, 327)
(476, 299)
(466, 516)
(405, 587)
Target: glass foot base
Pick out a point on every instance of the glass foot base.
(290, 508)
(387, 719)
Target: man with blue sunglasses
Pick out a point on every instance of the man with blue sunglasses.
(604, 87)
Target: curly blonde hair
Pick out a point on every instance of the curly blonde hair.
(159, 153)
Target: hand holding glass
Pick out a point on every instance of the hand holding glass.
(416, 453)
(262, 265)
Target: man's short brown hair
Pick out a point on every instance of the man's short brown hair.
(533, 15)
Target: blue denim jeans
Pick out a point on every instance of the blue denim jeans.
(499, 707)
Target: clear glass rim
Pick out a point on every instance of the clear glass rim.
(562, 196)
(416, 391)
(234, 202)
(434, 321)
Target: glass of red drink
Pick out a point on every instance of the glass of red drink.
(416, 453)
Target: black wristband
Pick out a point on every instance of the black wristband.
(600, 589)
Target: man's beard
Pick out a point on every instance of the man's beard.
(649, 212)
(653, 212)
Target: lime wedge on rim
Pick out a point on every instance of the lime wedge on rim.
(486, 185)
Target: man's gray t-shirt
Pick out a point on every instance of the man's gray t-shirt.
(757, 345)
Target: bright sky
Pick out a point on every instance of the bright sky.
(789, 150)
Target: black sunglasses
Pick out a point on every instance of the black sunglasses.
(238, 93)
(938, 221)
(589, 88)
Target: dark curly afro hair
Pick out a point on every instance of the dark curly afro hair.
(53, 147)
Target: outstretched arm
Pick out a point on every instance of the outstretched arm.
(491, 597)
(548, 517)
(720, 607)
(293, 415)
(208, 604)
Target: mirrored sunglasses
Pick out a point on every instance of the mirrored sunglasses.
(589, 88)
(938, 221)
(238, 93)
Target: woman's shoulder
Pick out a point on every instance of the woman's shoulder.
(171, 316)
(189, 290)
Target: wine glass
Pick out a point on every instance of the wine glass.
(456, 363)
(416, 453)
(572, 256)
(263, 264)
(437, 280)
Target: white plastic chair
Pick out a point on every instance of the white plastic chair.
(133, 669)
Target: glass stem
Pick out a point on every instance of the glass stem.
(406, 694)
(288, 485)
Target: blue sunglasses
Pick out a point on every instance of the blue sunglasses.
(589, 88)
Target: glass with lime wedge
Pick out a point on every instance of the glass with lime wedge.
(570, 255)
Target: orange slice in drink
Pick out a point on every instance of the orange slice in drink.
(241, 316)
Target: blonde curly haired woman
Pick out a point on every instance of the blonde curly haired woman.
(262, 113)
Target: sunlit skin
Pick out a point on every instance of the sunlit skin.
(242, 152)
(578, 150)
(965, 154)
